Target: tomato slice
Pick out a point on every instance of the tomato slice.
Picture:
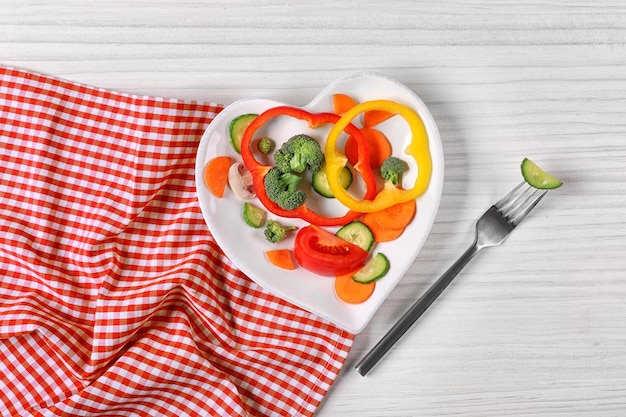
(323, 253)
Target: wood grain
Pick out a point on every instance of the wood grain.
(536, 327)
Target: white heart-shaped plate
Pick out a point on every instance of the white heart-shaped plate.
(246, 246)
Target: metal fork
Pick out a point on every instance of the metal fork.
(492, 228)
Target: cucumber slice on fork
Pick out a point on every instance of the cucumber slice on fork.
(537, 177)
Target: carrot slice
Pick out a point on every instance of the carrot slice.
(379, 146)
(388, 224)
(373, 117)
(216, 174)
(381, 232)
(387, 235)
(353, 292)
(282, 258)
(342, 103)
(397, 216)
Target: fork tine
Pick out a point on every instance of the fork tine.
(509, 198)
(520, 201)
(527, 206)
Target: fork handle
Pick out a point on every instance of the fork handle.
(414, 312)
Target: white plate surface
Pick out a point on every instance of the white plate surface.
(246, 246)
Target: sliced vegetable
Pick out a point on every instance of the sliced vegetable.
(282, 258)
(252, 215)
(281, 189)
(275, 231)
(236, 128)
(537, 177)
(392, 169)
(418, 149)
(240, 181)
(378, 144)
(394, 217)
(265, 145)
(373, 117)
(352, 292)
(342, 103)
(374, 269)
(216, 175)
(386, 235)
(319, 181)
(358, 234)
(389, 223)
(323, 253)
(259, 170)
(299, 153)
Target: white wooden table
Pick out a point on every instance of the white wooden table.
(535, 327)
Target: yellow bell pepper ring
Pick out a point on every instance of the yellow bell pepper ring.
(390, 195)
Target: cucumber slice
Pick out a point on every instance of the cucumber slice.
(374, 269)
(253, 216)
(358, 234)
(537, 177)
(237, 127)
(320, 181)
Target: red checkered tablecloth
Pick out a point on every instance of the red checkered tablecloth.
(114, 298)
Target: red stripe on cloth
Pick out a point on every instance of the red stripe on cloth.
(114, 298)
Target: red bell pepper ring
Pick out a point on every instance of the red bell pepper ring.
(314, 120)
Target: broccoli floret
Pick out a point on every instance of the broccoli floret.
(299, 153)
(392, 169)
(281, 189)
(282, 160)
(290, 201)
(275, 232)
(265, 145)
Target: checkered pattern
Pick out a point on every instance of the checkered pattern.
(114, 298)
